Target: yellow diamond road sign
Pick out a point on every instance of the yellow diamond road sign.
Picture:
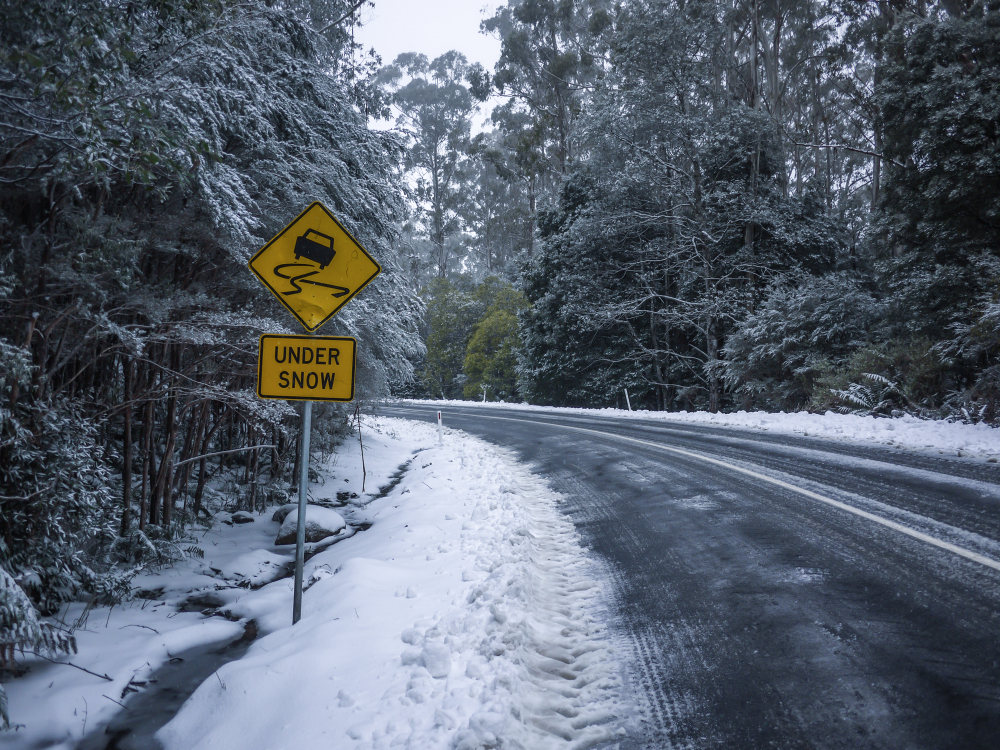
(314, 266)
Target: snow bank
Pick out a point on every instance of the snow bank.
(905, 433)
(467, 615)
(464, 618)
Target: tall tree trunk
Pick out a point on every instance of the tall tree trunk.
(756, 102)
(254, 461)
(712, 349)
(146, 509)
(191, 443)
(531, 217)
(275, 441)
(7, 449)
(876, 167)
(164, 485)
(203, 464)
(127, 449)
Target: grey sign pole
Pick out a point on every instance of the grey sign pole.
(300, 530)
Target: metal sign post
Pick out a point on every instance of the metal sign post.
(305, 368)
(300, 529)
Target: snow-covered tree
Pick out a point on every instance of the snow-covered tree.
(435, 112)
(146, 150)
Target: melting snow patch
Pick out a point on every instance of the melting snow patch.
(698, 502)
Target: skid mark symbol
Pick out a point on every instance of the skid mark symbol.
(304, 278)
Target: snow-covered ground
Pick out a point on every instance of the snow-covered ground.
(978, 441)
(467, 614)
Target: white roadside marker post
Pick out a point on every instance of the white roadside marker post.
(627, 400)
(300, 529)
(440, 438)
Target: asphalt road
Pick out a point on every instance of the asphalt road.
(781, 592)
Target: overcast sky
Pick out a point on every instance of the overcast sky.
(431, 27)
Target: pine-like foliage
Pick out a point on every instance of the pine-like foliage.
(20, 629)
(806, 323)
(940, 230)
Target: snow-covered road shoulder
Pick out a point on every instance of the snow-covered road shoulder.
(465, 617)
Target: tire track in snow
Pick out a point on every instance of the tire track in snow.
(657, 652)
(539, 664)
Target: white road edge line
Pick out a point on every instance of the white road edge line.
(940, 543)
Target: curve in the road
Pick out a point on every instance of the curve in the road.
(760, 616)
(921, 536)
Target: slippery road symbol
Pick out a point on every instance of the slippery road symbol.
(314, 266)
(304, 278)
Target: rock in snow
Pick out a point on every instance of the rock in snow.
(241, 516)
(255, 568)
(320, 523)
(282, 512)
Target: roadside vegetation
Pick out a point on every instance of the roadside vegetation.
(719, 206)
(146, 150)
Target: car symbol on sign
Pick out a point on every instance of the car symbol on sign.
(317, 250)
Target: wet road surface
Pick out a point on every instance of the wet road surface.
(780, 592)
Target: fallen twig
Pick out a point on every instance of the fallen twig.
(114, 701)
(220, 453)
(71, 664)
(140, 626)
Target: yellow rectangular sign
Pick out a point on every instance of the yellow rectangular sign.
(306, 368)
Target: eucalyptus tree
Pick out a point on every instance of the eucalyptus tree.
(568, 358)
(939, 229)
(498, 212)
(434, 111)
(942, 212)
(550, 58)
(686, 213)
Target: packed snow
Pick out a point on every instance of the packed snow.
(978, 441)
(465, 616)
